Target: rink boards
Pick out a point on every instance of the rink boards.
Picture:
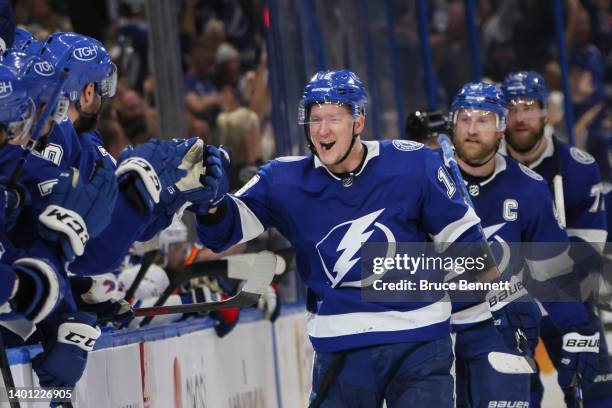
(185, 364)
(257, 365)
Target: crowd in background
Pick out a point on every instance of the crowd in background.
(223, 56)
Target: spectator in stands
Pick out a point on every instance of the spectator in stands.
(201, 96)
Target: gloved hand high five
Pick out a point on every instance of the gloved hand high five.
(205, 173)
(78, 210)
(93, 296)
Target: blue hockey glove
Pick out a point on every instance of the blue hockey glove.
(203, 174)
(33, 287)
(63, 361)
(78, 210)
(518, 323)
(14, 199)
(146, 171)
(579, 356)
(92, 296)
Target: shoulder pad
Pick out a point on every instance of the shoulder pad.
(530, 172)
(581, 156)
(407, 145)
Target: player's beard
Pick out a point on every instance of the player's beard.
(525, 143)
(477, 157)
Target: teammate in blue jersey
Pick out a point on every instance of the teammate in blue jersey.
(514, 205)
(32, 279)
(574, 180)
(349, 192)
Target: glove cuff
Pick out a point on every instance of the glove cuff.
(67, 222)
(145, 172)
(575, 342)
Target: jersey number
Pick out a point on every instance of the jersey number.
(596, 192)
(446, 180)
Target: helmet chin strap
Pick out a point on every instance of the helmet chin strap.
(348, 151)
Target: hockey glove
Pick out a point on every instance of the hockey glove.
(204, 172)
(63, 360)
(579, 355)
(93, 296)
(146, 171)
(14, 199)
(518, 323)
(78, 210)
(35, 290)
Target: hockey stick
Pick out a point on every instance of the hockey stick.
(506, 363)
(449, 159)
(147, 261)
(7, 376)
(258, 270)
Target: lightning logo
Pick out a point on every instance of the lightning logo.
(359, 231)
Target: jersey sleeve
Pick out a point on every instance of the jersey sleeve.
(546, 250)
(245, 215)
(585, 214)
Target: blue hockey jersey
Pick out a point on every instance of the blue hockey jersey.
(585, 214)
(519, 221)
(65, 148)
(402, 193)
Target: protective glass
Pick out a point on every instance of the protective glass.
(479, 120)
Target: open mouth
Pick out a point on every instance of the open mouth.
(327, 146)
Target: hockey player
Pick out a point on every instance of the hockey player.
(327, 204)
(33, 278)
(514, 205)
(579, 205)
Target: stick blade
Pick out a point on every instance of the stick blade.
(507, 363)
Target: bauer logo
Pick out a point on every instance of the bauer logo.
(6, 88)
(85, 53)
(339, 251)
(43, 68)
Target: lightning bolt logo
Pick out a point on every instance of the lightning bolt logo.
(357, 233)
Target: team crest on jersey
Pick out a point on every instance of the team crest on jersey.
(340, 249)
(530, 172)
(407, 145)
(581, 156)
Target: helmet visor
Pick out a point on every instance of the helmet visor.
(108, 86)
(18, 121)
(525, 109)
(479, 120)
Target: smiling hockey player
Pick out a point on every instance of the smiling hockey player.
(327, 204)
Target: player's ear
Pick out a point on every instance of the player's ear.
(359, 124)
